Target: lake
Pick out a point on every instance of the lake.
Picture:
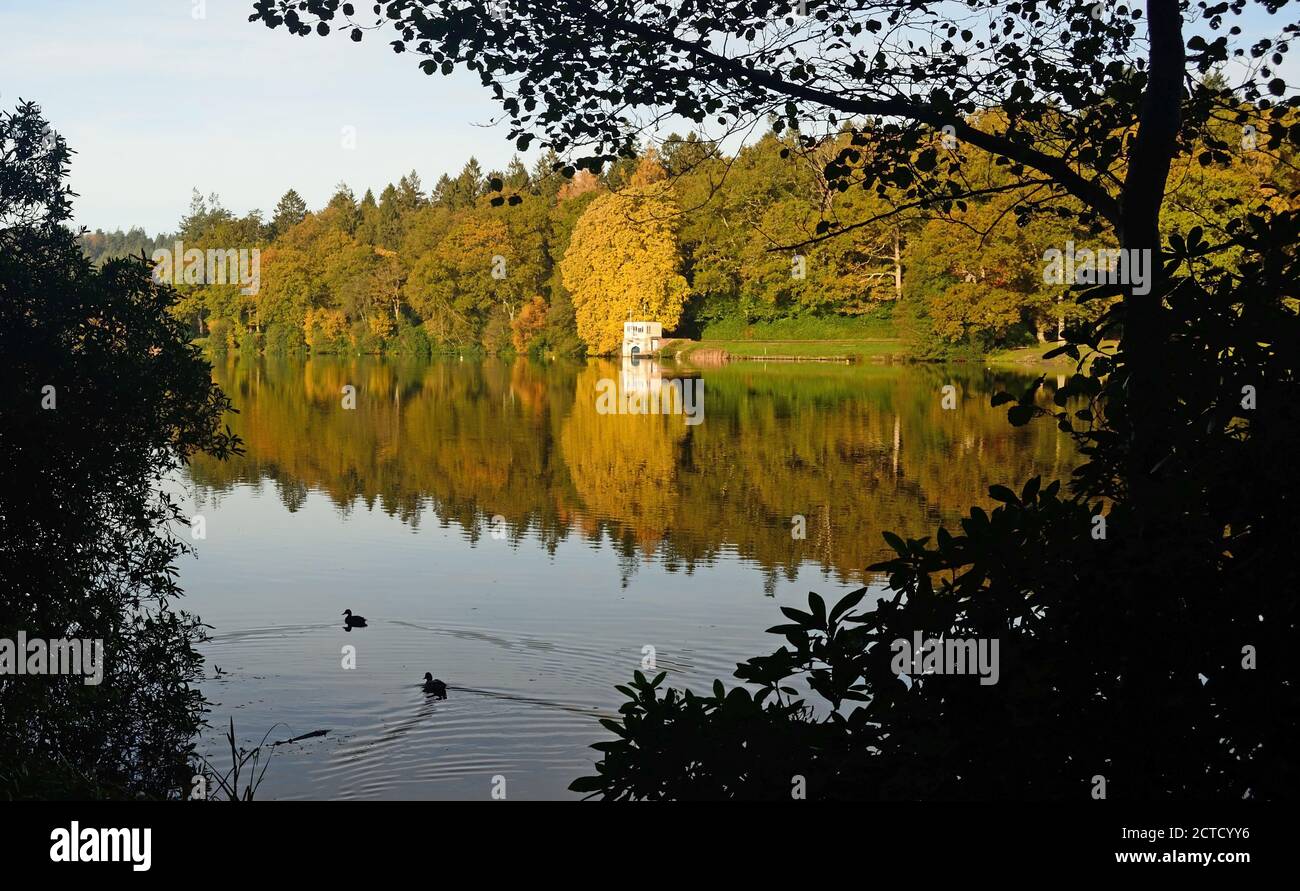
(498, 529)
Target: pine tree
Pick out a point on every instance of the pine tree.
(410, 193)
(289, 212)
(467, 186)
(343, 206)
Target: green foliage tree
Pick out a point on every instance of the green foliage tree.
(455, 287)
(109, 400)
(99, 245)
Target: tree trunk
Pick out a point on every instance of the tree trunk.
(898, 267)
(1148, 407)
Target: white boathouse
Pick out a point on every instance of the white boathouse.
(641, 338)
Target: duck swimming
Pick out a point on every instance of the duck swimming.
(350, 621)
(434, 686)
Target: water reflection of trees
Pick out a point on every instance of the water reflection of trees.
(854, 450)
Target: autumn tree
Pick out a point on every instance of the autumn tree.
(746, 230)
(458, 284)
(622, 262)
(530, 322)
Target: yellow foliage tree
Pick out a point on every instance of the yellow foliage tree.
(530, 322)
(622, 263)
(323, 327)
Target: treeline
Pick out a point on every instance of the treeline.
(552, 260)
(99, 245)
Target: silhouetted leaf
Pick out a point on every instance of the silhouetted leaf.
(1019, 415)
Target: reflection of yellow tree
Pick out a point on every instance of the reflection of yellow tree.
(854, 450)
(623, 467)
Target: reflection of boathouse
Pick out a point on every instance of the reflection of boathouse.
(644, 378)
(645, 390)
(641, 338)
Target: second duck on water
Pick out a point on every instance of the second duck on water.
(350, 621)
(434, 686)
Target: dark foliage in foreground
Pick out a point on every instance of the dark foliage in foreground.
(1123, 657)
(86, 531)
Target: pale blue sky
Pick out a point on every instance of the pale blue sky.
(156, 102)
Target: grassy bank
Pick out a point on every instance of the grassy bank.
(1032, 356)
(1029, 356)
(877, 326)
(794, 349)
(860, 338)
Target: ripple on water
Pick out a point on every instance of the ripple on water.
(529, 715)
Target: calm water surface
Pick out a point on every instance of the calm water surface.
(499, 532)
